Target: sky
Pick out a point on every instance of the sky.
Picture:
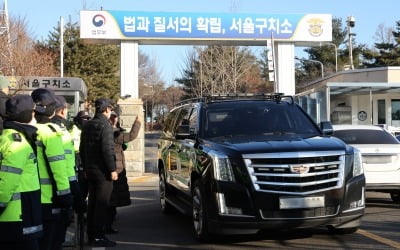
(43, 15)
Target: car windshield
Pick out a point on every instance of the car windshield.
(365, 136)
(249, 118)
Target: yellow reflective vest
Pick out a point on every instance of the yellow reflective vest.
(52, 164)
(21, 214)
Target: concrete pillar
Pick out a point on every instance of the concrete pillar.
(131, 107)
(130, 69)
(134, 154)
(285, 69)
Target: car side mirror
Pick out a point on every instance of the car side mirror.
(326, 128)
(183, 132)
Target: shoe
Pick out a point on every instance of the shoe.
(103, 242)
(111, 230)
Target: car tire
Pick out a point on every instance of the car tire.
(200, 216)
(395, 197)
(163, 191)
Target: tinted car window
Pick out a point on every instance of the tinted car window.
(255, 118)
(365, 136)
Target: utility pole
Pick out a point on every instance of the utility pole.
(351, 22)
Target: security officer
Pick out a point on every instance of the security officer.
(56, 194)
(20, 207)
(60, 123)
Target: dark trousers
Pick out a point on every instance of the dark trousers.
(50, 229)
(63, 222)
(99, 198)
(111, 213)
(21, 245)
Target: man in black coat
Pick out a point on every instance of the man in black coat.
(98, 159)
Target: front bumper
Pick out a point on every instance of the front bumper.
(343, 208)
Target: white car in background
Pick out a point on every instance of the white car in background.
(380, 152)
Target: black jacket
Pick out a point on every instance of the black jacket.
(3, 99)
(97, 148)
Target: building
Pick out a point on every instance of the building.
(362, 96)
(72, 88)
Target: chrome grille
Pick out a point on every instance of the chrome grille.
(296, 173)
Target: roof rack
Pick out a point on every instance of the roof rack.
(235, 96)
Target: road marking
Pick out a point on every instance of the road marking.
(380, 239)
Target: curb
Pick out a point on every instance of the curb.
(144, 178)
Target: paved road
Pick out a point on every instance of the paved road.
(143, 226)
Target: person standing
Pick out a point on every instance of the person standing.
(79, 121)
(61, 124)
(120, 194)
(98, 158)
(4, 91)
(20, 207)
(56, 194)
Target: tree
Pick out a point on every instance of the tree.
(387, 48)
(97, 65)
(307, 72)
(220, 69)
(20, 56)
(264, 70)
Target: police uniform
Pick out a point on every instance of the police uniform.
(20, 207)
(60, 124)
(55, 189)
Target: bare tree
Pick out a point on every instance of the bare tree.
(220, 69)
(20, 57)
(384, 34)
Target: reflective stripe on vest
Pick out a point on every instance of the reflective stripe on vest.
(63, 192)
(72, 178)
(32, 156)
(10, 169)
(31, 230)
(39, 143)
(45, 181)
(16, 196)
(56, 158)
(67, 151)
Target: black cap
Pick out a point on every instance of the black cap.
(46, 99)
(83, 114)
(102, 104)
(19, 108)
(43, 97)
(60, 102)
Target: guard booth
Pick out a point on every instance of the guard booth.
(360, 97)
(72, 88)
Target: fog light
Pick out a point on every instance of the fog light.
(223, 209)
(358, 203)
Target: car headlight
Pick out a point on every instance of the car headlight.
(222, 167)
(357, 164)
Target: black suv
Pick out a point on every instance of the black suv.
(241, 163)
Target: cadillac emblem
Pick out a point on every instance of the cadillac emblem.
(299, 169)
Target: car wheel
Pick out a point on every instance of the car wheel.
(200, 223)
(395, 197)
(163, 190)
